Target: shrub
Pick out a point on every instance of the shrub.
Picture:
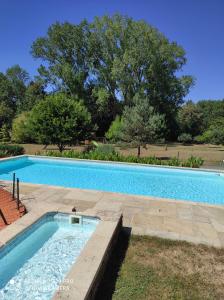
(194, 162)
(4, 134)
(114, 132)
(21, 131)
(185, 138)
(10, 150)
(105, 149)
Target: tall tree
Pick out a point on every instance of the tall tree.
(18, 79)
(109, 61)
(64, 52)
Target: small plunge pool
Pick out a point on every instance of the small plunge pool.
(36, 262)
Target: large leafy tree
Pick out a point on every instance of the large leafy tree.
(7, 104)
(60, 120)
(18, 78)
(64, 52)
(141, 124)
(109, 61)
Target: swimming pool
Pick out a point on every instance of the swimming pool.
(200, 186)
(35, 262)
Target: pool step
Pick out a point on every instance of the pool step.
(9, 209)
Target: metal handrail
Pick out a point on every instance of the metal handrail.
(17, 190)
(3, 217)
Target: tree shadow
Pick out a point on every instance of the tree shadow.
(106, 287)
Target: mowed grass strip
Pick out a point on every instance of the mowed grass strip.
(153, 268)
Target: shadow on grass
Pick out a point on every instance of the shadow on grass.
(107, 285)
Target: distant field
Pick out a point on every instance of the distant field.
(213, 155)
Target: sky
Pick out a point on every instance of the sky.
(196, 25)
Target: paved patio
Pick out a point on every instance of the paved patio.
(182, 220)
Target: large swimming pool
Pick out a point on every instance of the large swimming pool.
(161, 182)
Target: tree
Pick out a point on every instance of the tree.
(211, 110)
(21, 129)
(107, 62)
(122, 66)
(215, 133)
(34, 93)
(65, 53)
(190, 119)
(6, 115)
(18, 78)
(141, 124)
(60, 120)
(115, 131)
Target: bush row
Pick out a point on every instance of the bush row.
(10, 150)
(192, 162)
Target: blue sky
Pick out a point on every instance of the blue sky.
(197, 25)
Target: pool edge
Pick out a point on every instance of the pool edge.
(93, 256)
(113, 163)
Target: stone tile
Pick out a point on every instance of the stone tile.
(221, 238)
(179, 226)
(207, 231)
(218, 227)
(77, 194)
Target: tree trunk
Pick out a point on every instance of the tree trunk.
(139, 150)
(61, 148)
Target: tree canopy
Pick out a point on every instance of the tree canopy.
(111, 60)
(59, 120)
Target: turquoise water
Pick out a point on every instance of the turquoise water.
(34, 264)
(177, 184)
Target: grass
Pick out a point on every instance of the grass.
(153, 268)
(211, 154)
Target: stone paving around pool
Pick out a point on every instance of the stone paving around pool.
(180, 220)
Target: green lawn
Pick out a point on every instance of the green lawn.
(153, 268)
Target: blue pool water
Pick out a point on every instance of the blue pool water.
(34, 264)
(177, 184)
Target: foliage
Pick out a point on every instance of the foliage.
(190, 119)
(141, 124)
(60, 120)
(214, 134)
(34, 94)
(18, 79)
(193, 162)
(104, 64)
(11, 150)
(4, 134)
(105, 149)
(212, 110)
(114, 134)
(21, 129)
(185, 138)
